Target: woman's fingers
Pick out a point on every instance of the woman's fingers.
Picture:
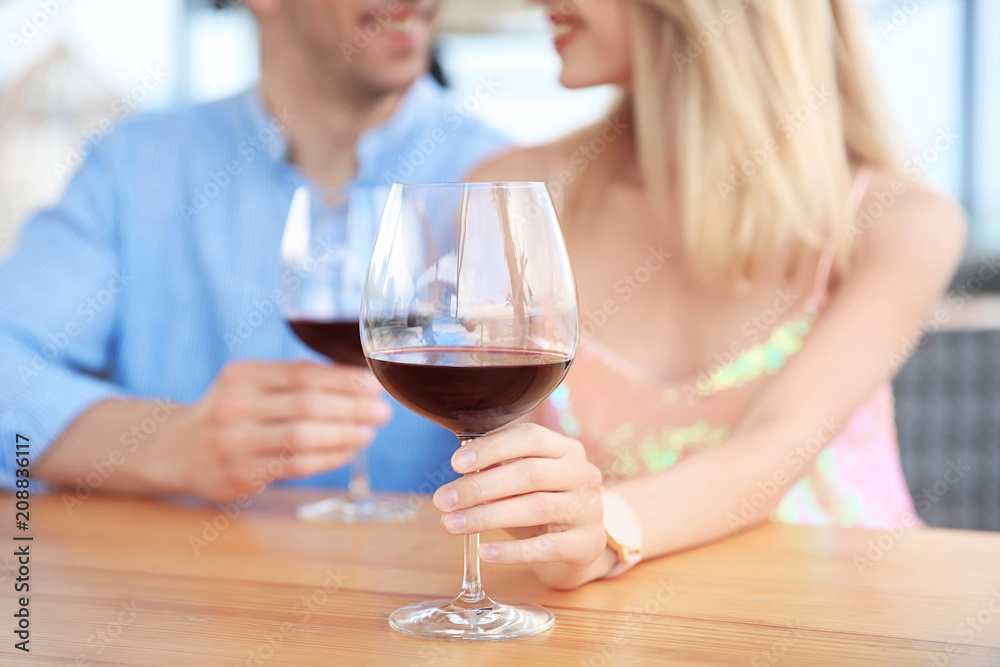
(513, 479)
(571, 546)
(515, 442)
(529, 479)
(533, 509)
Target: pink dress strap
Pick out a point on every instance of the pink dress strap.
(824, 267)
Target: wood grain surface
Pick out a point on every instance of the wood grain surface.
(124, 581)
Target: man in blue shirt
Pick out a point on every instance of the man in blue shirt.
(141, 349)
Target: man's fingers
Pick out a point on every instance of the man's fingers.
(303, 405)
(293, 466)
(252, 440)
(286, 375)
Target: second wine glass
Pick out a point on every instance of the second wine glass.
(325, 248)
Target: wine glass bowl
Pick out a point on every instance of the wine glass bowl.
(469, 319)
(325, 248)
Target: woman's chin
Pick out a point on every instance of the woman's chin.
(572, 79)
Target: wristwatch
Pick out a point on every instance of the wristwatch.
(624, 533)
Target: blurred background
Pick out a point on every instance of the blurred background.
(66, 66)
(70, 70)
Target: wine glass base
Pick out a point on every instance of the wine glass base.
(376, 508)
(453, 620)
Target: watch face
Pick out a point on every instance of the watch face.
(621, 522)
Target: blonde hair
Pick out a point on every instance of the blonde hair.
(748, 118)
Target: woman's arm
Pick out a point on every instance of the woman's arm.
(902, 264)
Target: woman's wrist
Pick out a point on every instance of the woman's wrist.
(567, 576)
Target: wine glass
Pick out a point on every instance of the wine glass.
(325, 248)
(469, 319)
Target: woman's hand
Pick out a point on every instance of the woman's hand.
(546, 495)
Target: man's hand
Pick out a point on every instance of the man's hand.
(259, 422)
(271, 420)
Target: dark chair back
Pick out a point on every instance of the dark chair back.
(948, 416)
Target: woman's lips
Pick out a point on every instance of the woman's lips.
(563, 30)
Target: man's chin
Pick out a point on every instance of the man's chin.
(393, 78)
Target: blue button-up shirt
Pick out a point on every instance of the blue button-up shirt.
(160, 264)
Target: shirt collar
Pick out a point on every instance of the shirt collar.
(424, 95)
(265, 128)
(268, 129)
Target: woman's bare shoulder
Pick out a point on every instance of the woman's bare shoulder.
(898, 209)
(533, 163)
(903, 223)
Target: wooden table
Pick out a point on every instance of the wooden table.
(117, 581)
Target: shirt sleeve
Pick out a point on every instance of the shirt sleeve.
(59, 293)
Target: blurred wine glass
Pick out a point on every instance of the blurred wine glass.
(325, 248)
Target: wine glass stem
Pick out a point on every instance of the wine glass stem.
(360, 486)
(472, 585)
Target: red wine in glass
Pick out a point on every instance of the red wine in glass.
(469, 391)
(339, 341)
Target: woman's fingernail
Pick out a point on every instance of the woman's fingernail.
(447, 498)
(489, 553)
(465, 459)
(455, 521)
(366, 433)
